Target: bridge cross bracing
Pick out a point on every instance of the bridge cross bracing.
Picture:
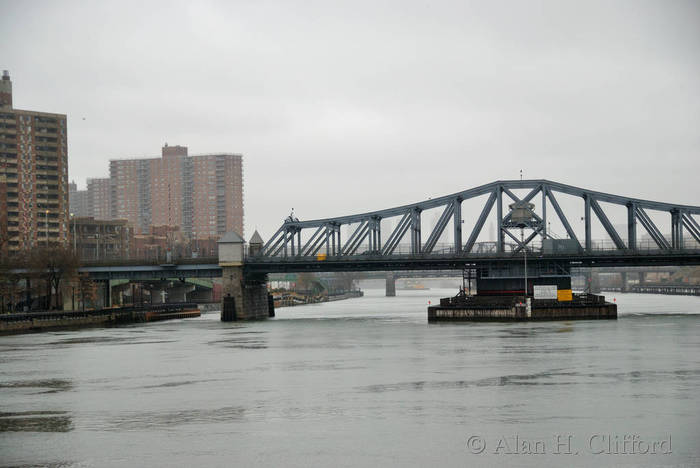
(367, 238)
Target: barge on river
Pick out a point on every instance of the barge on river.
(519, 308)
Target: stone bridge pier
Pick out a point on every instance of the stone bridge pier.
(624, 284)
(178, 292)
(244, 295)
(390, 285)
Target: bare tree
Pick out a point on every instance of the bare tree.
(9, 281)
(52, 265)
(87, 289)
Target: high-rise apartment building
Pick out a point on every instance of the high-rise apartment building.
(203, 194)
(99, 198)
(95, 202)
(77, 200)
(33, 175)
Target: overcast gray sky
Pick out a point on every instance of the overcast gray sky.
(342, 107)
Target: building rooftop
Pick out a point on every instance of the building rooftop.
(231, 237)
(133, 158)
(256, 238)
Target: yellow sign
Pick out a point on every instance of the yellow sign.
(320, 257)
(564, 295)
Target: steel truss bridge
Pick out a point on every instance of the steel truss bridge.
(367, 248)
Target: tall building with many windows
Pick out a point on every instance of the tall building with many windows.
(33, 175)
(77, 201)
(99, 198)
(202, 194)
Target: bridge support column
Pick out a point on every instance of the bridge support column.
(244, 295)
(157, 295)
(104, 298)
(249, 293)
(178, 293)
(595, 282)
(201, 295)
(624, 285)
(390, 285)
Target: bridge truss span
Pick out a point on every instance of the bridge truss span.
(366, 237)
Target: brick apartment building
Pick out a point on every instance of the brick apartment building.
(202, 194)
(77, 201)
(94, 202)
(33, 176)
(99, 198)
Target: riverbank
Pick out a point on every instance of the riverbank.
(26, 322)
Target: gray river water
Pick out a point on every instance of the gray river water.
(361, 382)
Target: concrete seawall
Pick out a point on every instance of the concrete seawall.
(46, 320)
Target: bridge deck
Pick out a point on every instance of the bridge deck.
(209, 268)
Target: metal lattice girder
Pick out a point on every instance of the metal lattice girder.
(692, 226)
(607, 224)
(527, 199)
(488, 188)
(397, 234)
(676, 229)
(631, 226)
(480, 222)
(273, 241)
(651, 228)
(282, 248)
(529, 239)
(287, 239)
(356, 239)
(375, 234)
(562, 217)
(457, 222)
(316, 241)
(439, 228)
(512, 236)
(415, 231)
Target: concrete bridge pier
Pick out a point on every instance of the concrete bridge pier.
(624, 285)
(390, 285)
(244, 295)
(178, 292)
(104, 296)
(118, 293)
(595, 282)
(157, 295)
(592, 281)
(201, 295)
